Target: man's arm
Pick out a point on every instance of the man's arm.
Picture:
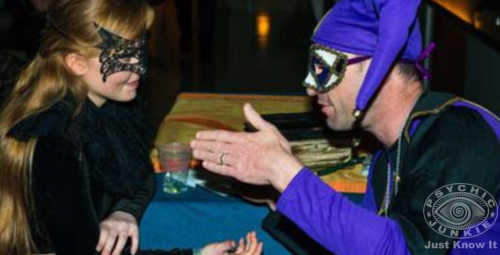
(460, 148)
(335, 222)
(264, 157)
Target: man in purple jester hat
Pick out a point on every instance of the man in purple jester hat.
(432, 189)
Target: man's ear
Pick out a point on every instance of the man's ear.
(76, 63)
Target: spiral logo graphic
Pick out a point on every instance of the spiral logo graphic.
(460, 210)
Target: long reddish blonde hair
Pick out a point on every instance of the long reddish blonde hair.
(41, 84)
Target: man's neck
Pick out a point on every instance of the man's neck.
(389, 112)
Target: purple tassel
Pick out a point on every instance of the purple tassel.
(426, 74)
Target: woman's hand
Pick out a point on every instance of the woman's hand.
(252, 247)
(115, 231)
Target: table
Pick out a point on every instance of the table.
(193, 112)
(197, 217)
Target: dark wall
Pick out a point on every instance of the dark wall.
(466, 62)
(482, 81)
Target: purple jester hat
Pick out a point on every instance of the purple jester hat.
(385, 30)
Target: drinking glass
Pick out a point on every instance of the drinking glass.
(174, 159)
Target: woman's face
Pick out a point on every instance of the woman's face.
(120, 86)
(114, 74)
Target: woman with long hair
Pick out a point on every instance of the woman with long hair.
(75, 175)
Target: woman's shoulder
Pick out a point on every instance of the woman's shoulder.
(56, 156)
(57, 149)
(53, 122)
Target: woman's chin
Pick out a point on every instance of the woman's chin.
(125, 98)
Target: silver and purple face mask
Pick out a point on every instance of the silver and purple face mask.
(326, 68)
(117, 53)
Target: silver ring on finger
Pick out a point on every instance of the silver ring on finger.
(221, 158)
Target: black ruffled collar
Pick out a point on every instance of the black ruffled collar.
(114, 139)
(52, 122)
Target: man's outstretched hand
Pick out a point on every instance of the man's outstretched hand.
(262, 157)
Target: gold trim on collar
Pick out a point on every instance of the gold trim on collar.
(428, 112)
(482, 108)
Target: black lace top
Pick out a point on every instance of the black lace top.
(84, 168)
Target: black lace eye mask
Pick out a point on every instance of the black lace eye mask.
(118, 51)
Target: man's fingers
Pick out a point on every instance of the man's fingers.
(255, 119)
(219, 169)
(260, 124)
(215, 157)
(205, 155)
(117, 250)
(221, 136)
(209, 145)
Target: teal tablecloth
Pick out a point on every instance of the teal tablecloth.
(197, 217)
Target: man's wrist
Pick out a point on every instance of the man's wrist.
(285, 173)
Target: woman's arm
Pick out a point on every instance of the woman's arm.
(137, 204)
(62, 198)
(63, 205)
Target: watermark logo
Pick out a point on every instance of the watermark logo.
(460, 210)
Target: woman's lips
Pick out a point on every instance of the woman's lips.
(133, 85)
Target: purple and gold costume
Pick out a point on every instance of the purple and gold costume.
(447, 140)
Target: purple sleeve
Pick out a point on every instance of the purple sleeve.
(335, 222)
